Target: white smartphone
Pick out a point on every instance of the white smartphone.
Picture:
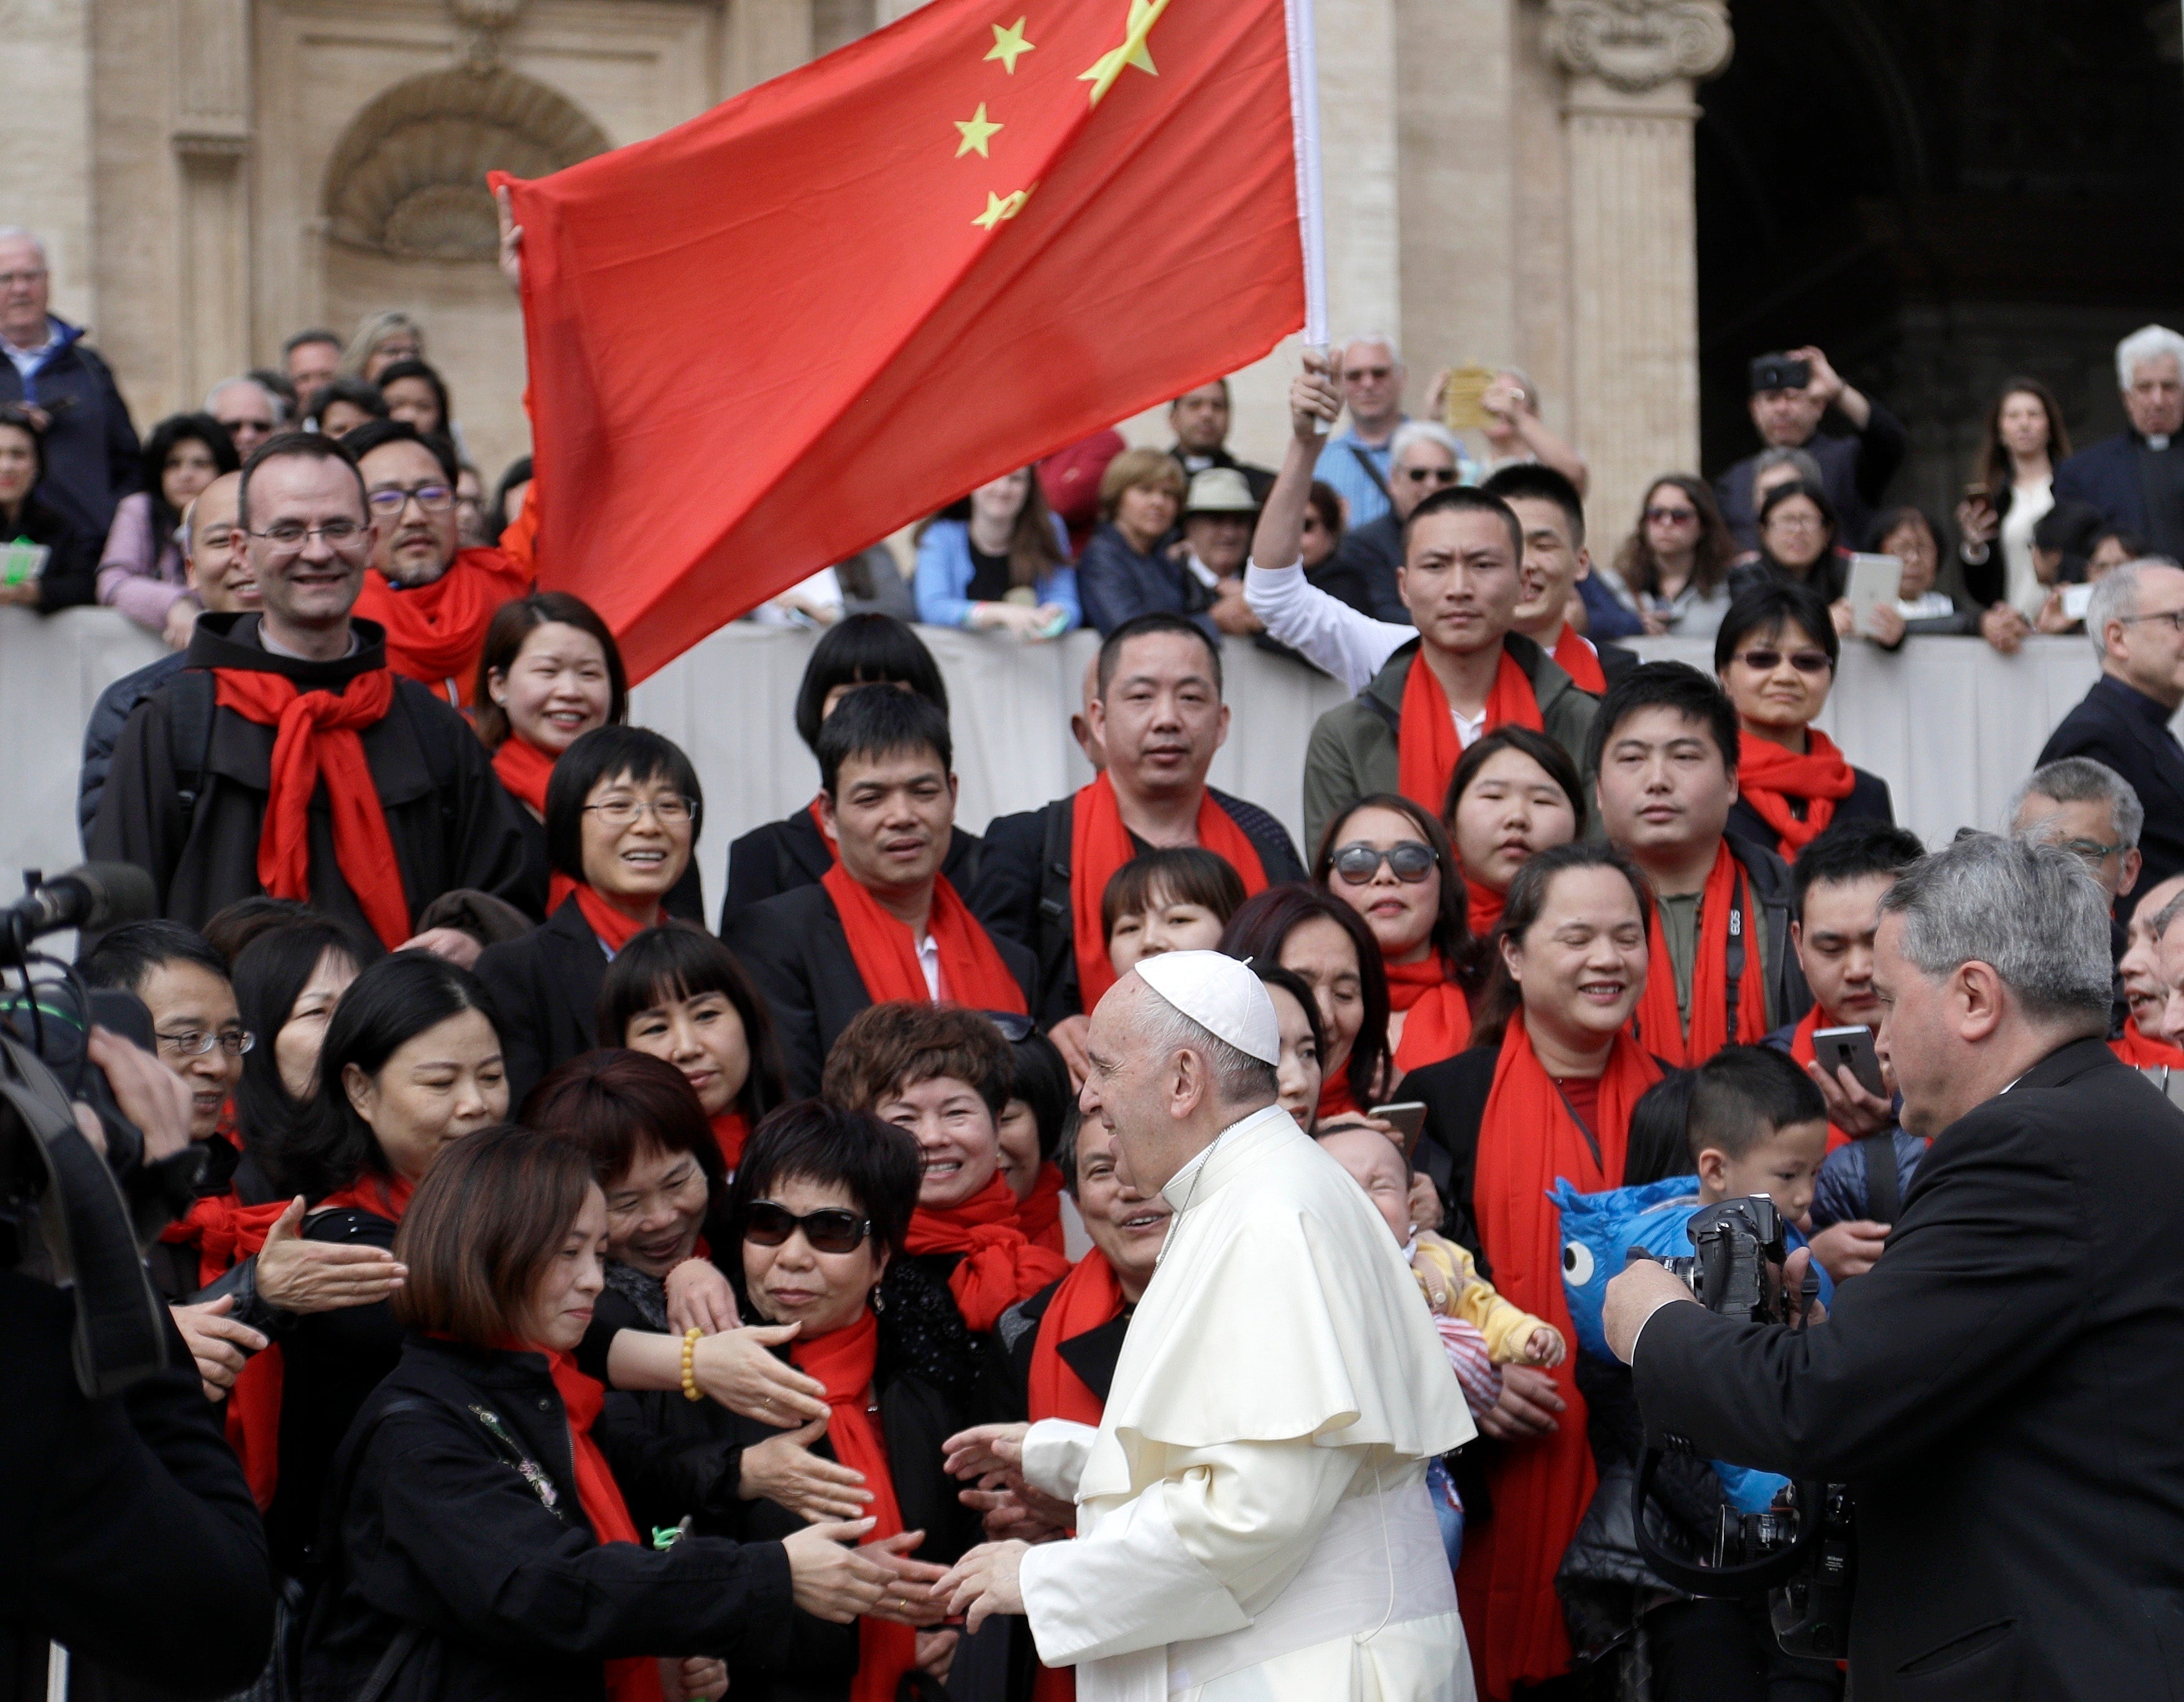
(1874, 580)
(1837, 1048)
(2076, 600)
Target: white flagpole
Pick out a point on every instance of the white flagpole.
(1304, 119)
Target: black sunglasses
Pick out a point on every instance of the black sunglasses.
(1766, 661)
(1409, 861)
(831, 1229)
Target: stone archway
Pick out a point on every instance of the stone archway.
(408, 179)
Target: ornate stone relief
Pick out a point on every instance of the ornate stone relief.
(1634, 46)
(483, 22)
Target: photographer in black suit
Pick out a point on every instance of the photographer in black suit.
(2000, 1390)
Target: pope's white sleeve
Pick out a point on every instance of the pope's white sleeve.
(1054, 1454)
(1196, 1555)
(1325, 630)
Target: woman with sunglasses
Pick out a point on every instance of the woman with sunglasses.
(819, 1218)
(1514, 794)
(1775, 655)
(1389, 861)
(622, 821)
(1675, 562)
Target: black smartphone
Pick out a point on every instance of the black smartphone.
(1409, 1117)
(1838, 1047)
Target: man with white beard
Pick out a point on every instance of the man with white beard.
(1252, 1511)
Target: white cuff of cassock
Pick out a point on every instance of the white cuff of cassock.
(1054, 1450)
(1631, 1358)
(1132, 1585)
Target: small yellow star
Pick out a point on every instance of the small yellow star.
(1008, 44)
(1001, 207)
(1110, 65)
(976, 130)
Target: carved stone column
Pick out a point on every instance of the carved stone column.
(1628, 112)
(211, 141)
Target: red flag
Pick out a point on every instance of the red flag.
(839, 301)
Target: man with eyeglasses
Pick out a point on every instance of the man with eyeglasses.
(435, 598)
(2135, 621)
(250, 412)
(285, 758)
(1360, 460)
(1422, 458)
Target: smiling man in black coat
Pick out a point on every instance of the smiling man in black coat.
(1999, 1391)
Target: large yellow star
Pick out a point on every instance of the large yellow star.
(977, 131)
(1008, 44)
(1001, 207)
(1110, 65)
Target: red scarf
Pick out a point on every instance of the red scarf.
(1427, 746)
(731, 1129)
(1805, 1053)
(635, 1678)
(1655, 1022)
(1335, 1096)
(1099, 844)
(1527, 1139)
(435, 633)
(616, 926)
(843, 1360)
(524, 769)
(1088, 1297)
(2142, 1053)
(1768, 777)
(1575, 655)
(316, 738)
(1485, 911)
(1440, 1020)
(1039, 1212)
(971, 971)
(999, 1266)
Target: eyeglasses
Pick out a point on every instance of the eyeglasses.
(2091, 852)
(9, 280)
(1671, 517)
(1408, 860)
(831, 1229)
(1804, 661)
(668, 812)
(1419, 476)
(288, 536)
(2175, 617)
(192, 1043)
(1796, 522)
(1358, 375)
(390, 500)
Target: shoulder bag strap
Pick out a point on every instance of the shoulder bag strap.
(1371, 472)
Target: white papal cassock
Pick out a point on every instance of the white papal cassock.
(1252, 1517)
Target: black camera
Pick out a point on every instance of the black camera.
(1779, 372)
(1801, 1551)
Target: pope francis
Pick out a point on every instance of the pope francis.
(1251, 1512)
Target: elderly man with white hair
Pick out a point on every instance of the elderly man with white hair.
(2135, 621)
(1370, 371)
(250, 412)
(1422, 458)
(93, 457)
(1251, 1512)
(2137, 480)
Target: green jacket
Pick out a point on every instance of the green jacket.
(1352, 753)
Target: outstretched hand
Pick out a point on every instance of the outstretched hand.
(985, 1583)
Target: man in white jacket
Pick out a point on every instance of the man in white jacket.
(1252, 1511)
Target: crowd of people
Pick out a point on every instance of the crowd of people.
(604, 1293)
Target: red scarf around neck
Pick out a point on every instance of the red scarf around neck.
(635, 1678)
(1575, 655)
(2142, 1053)
(1099, 844)
(1039, 1213)
(316, 737)
(731, 1129)
(1768, 777)
(1656, 1022)
(972, 973)
(1527, 1139)
(524, 769)
(1335, 1099)
(1427, 745)
(616, 926)
(843, 1360)
(1089, 1296)
(435, 633)
(1438, 1022)
(1485, 909)
(999, 1266)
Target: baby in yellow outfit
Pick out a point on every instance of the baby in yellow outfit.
(1454, 1289)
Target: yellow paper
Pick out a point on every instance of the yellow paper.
(1467, 392)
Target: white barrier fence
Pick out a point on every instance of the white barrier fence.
(1949, 724)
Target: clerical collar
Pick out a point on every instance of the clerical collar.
(266, 642)
(2152, 440)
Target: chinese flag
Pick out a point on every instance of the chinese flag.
(836, 303)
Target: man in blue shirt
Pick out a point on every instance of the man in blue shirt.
(1357, 460)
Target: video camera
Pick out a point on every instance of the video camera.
(1801, 1552)
(68, 1215)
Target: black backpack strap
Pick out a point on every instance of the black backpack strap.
(190, 710)
(1884, 1187)
(1056, 943)
(1739, 926)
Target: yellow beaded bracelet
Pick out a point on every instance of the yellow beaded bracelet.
(690, 1390)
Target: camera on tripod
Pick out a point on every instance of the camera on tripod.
(1801, 1551)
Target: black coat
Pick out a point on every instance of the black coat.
(1023, 895)
(1855, 468)
(103, 732)
(796, 952)
(1869, 801)
(781, 855)
(2123, 727)
(2000, 1392)
(126, 1531)
(438, 1530)
(545, 987)
(2107, 477)
(1092, 1355)
(1370, 554)
(451, 823)
(70, 577)
(93, 457)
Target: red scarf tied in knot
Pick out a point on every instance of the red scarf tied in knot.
(436, 633)
(1438, 1024)
(731, 1129)
(1768, 777)
(317, 737)
(609, 922)
(972, 972)
(999, 1266)
(1427, 745)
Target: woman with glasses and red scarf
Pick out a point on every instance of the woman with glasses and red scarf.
(1775, 654)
